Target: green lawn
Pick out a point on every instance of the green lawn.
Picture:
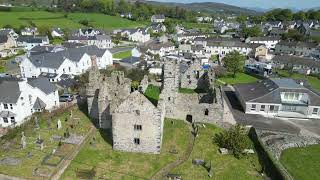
(302, 163)
(122, 55)
(153, 93)
(313, 81)
(186, 91)
(111, 164)
(11, 147)
(240, 78)
(224, 166)
(50, 19)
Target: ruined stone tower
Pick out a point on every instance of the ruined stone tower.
(104, 94)
(170, 85)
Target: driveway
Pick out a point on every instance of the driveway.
(309, 127)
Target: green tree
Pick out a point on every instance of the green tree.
(234, 62)
(251, 32)
(241, 19)
(135, 85)
(300, 16)
(234, 139)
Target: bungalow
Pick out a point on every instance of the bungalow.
(29, 31)
(28, 42)
(158, 18)
(19, 98)
(283, 98)
(269, 42)
(73, 61)
(297, 64)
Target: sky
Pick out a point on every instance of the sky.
(265, 4)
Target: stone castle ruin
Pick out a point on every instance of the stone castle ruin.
(137, 124)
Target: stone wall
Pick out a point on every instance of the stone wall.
(137, 110)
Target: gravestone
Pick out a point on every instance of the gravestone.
(198, 162)
(56, 138)
(40, 142)
(23, 141)
(59, 125)
(223, 151)
(54, 150)
(36, 126)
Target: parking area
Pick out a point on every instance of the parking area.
(303, 127)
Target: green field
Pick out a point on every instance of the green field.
(240, 78)
(224, 166)
(122, 55)
(313, 81)
(49, 19)
(110, 164)
(302, 163)
(153, 93)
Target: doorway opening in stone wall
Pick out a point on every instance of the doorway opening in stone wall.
(189, 118)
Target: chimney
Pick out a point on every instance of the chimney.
(94, 61)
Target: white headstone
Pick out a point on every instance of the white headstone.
(59, 125)
(23, 141)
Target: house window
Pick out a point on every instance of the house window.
(12, 120)
(315, 111)
(262, 108)
(137, 127)
(5, 106)
(169, 98)
(5, 120)
(63, 70)
(11, 106)
(206, 112)
(136, 141)
(253, 107)
(138, 112)
(69, 69)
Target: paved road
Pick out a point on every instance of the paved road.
(310, 127)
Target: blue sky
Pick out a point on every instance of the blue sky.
(265, 4)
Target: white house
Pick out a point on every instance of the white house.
(19, 98)
(57, 32)
(161, 49)
(158, 18)
(29, 31)
(28, 42)
(73, 61)
(139, 35)
(269, 42)
(283, 98)
(102, 41)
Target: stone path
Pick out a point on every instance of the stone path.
(67, 160)
(166, 169)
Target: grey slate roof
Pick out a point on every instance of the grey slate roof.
(264, 38)
(3, 38)
(268, 91)
(39, 104)
(31, 39)
(55, 59)
(295, 60)
(298, 44)
(9, 90)
(7, 114)
(43, 84)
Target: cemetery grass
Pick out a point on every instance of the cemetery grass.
(224, 166)
(24, 170)
(239, 79)
(302, 163)
(110, 164)
(71, 21)
(122, 55)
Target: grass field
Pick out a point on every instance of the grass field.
(240, 78)
(224, 166)
(153, 93)
(302, 163)
(49, 19)
(313, 81)
(122, 55)
(111, 164)
(11, 147)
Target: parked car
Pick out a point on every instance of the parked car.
(66, 98)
